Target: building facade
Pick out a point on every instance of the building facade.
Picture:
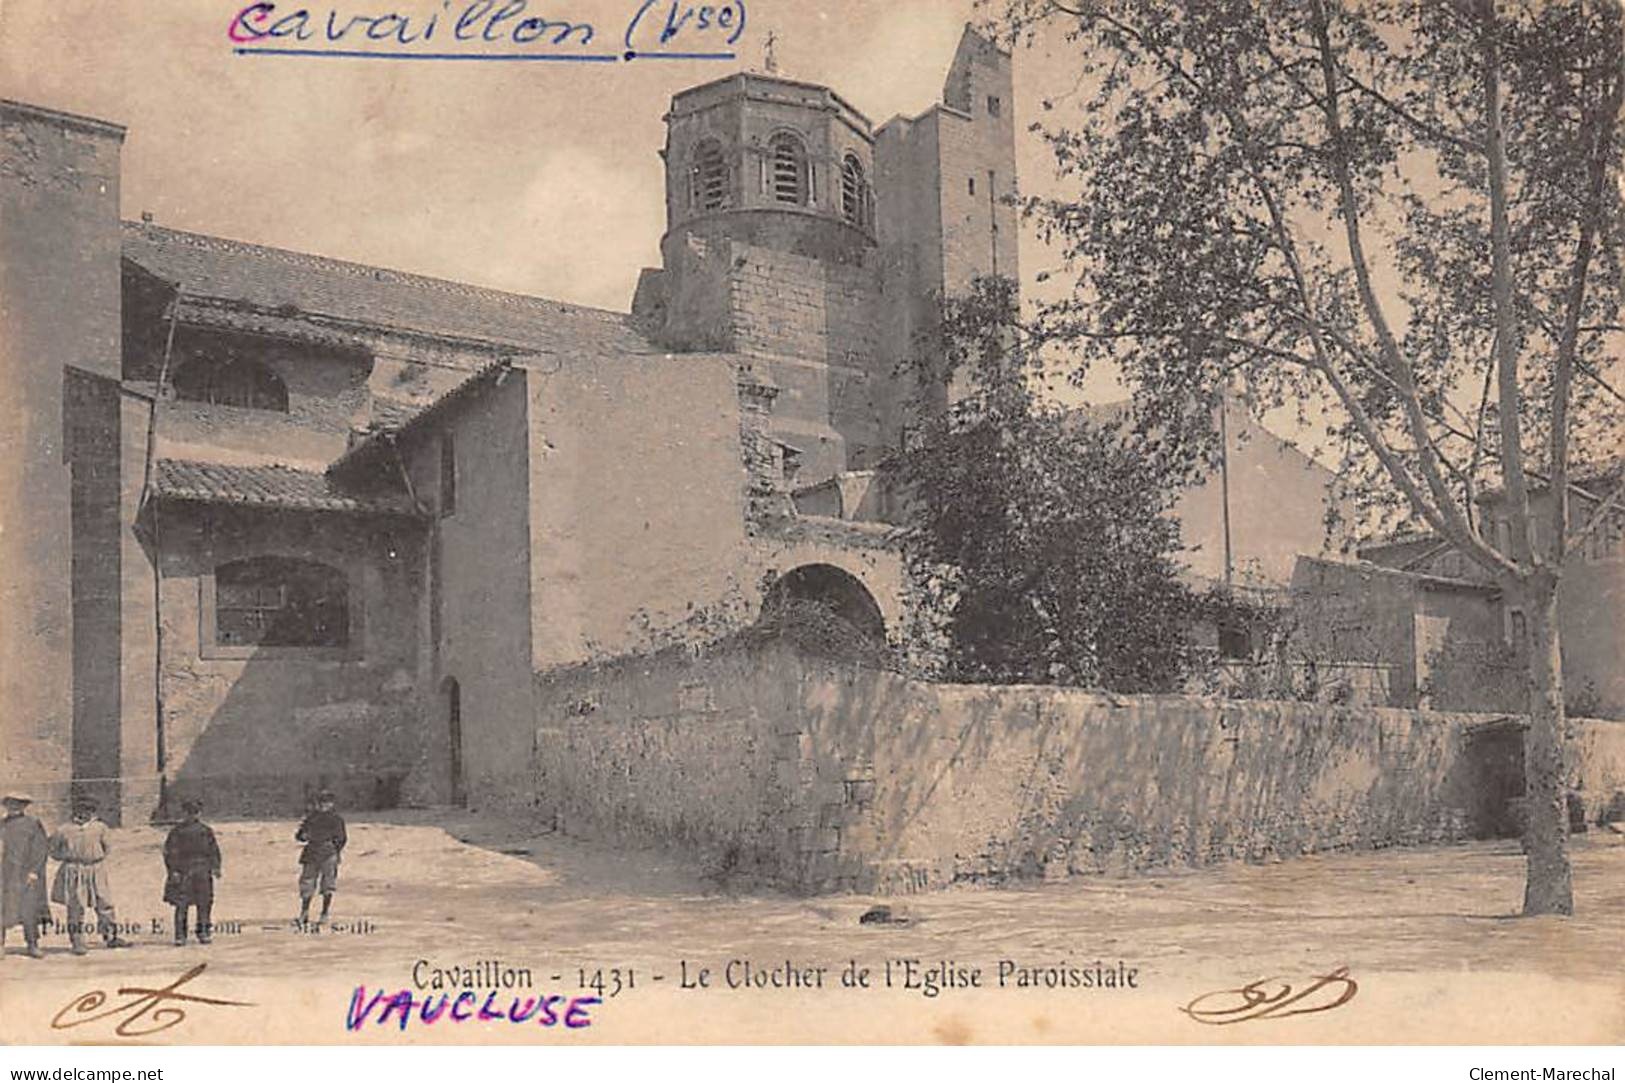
(281, 522)
(1448, 636)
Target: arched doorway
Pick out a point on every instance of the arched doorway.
(837, 589)
(452, 695)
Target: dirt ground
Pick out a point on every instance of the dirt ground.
(1428, 935)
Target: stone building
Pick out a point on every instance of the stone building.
(1447, 636)
(276, 521)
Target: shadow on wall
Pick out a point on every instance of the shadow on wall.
(761, 760)
(305, 680)
(284, 729)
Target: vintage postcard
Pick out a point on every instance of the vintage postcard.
(912, 521)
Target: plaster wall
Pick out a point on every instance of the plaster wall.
(636, 515)
(479, 572)
(260, 729)
(59, 305)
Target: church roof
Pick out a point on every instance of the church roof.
(266, 487)
(296, 284)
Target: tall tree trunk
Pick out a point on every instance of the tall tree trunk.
(1548, 888)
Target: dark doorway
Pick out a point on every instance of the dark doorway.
(454, 727)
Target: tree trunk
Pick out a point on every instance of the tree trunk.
(1548, 887)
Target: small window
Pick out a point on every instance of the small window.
(448, 475)
(792, 465)
(970, 185)
(231, 382)
(994, 106)
(280, 602)
(708, 177)
(787, 177)
(854, 192)
(1517, 628)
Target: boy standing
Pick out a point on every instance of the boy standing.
(324, 837)
(81, 880)
(23, 849)
(192, 858)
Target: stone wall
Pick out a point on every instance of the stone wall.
(1598, 750)
(703, 755)
(59, 306)
(824, 776)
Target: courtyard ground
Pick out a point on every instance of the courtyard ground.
(1428, 936)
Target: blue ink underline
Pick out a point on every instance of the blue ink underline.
(369, 54)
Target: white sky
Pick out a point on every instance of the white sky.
(539, 178)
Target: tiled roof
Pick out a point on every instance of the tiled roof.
(294, 283)
(266, 486)
(393, 413)
(406, 422)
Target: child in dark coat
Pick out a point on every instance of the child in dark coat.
(192, 858)
(324, 837)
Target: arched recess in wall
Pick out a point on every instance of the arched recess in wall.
(839, 590)
(451, 707)
(230, 382)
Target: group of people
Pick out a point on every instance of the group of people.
(191, 865)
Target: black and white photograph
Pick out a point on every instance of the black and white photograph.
(834, 523)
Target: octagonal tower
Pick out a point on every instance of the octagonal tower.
(771, 162)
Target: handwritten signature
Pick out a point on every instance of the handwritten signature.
(1272, 998)
(145, 1002)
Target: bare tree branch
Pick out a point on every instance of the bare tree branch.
(1399, 367)
(1432, 131)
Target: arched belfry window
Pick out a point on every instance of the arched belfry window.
(708, 177)
(787, 178)
(273, 601)
(231, 382)
(855, 199)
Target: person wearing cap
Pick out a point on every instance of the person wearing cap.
(192, 860)
(24, 847)
(81, 879)
(324, 837)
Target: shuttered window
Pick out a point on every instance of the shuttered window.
(788, 170)
(708, 179)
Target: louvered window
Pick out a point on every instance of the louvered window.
(788, 164)
(854, 192)
(708, 182)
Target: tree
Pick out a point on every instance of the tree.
(1042, 536)
(1381, 213)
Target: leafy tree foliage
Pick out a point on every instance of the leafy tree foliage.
(1402, 218)
(1043, 536)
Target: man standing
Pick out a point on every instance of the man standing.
(23, 849)
(192, 858)
(324, 837)
(81, 880)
